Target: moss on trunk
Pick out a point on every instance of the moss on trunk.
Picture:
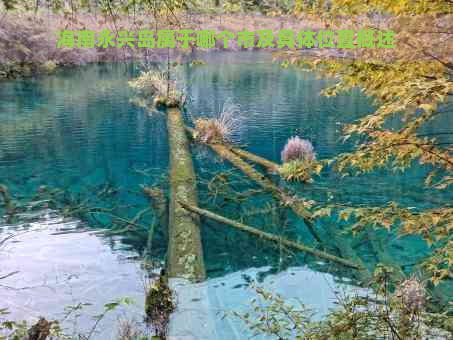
(297, 206)
(271, 237)
(185, 254)
(269, 165)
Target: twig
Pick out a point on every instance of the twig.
(270, 237)
(8, 275)
(295, 204)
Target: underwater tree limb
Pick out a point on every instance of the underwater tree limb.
(345, 249)
(270, 237)
(3, 241)
(8, 275)
(185, 252)
(127, 222)
(296, 205)
(383, 255)
(7, 200)
(159, 204)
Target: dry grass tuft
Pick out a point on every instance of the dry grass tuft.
(297, 149)
(298, 159)
(156, 84)
(220, 129)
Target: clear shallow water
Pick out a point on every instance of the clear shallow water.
(56, 269)
(58, 264)
(78, 131)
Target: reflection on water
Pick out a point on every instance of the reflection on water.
(77, 131)
(58, 264)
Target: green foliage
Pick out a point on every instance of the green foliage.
(408, 96)
(232, 7)
(197, 63)
(433, 225)
(18, 330)
(269, 7)
(382, 315)
(299, 171)
(272, 315)
(387, 6)
(11, 70)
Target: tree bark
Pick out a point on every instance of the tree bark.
(297, 206)
(185, 253)
(270, 237)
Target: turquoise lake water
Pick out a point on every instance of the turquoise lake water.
(78, 132)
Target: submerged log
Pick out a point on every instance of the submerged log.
(185, 254)
(340, 242)
(383, 256)
(345, 249)
(158, 203)
(10, 207)
(271, 237)
(269, 165)
(296, 205)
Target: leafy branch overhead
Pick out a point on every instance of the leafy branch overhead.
(411, 89)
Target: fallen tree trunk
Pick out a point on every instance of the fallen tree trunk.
(341, 243)
(296, 205)
(185, 254)
(269, 165)
(270, 237)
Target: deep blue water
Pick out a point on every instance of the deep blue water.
(79, 132)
